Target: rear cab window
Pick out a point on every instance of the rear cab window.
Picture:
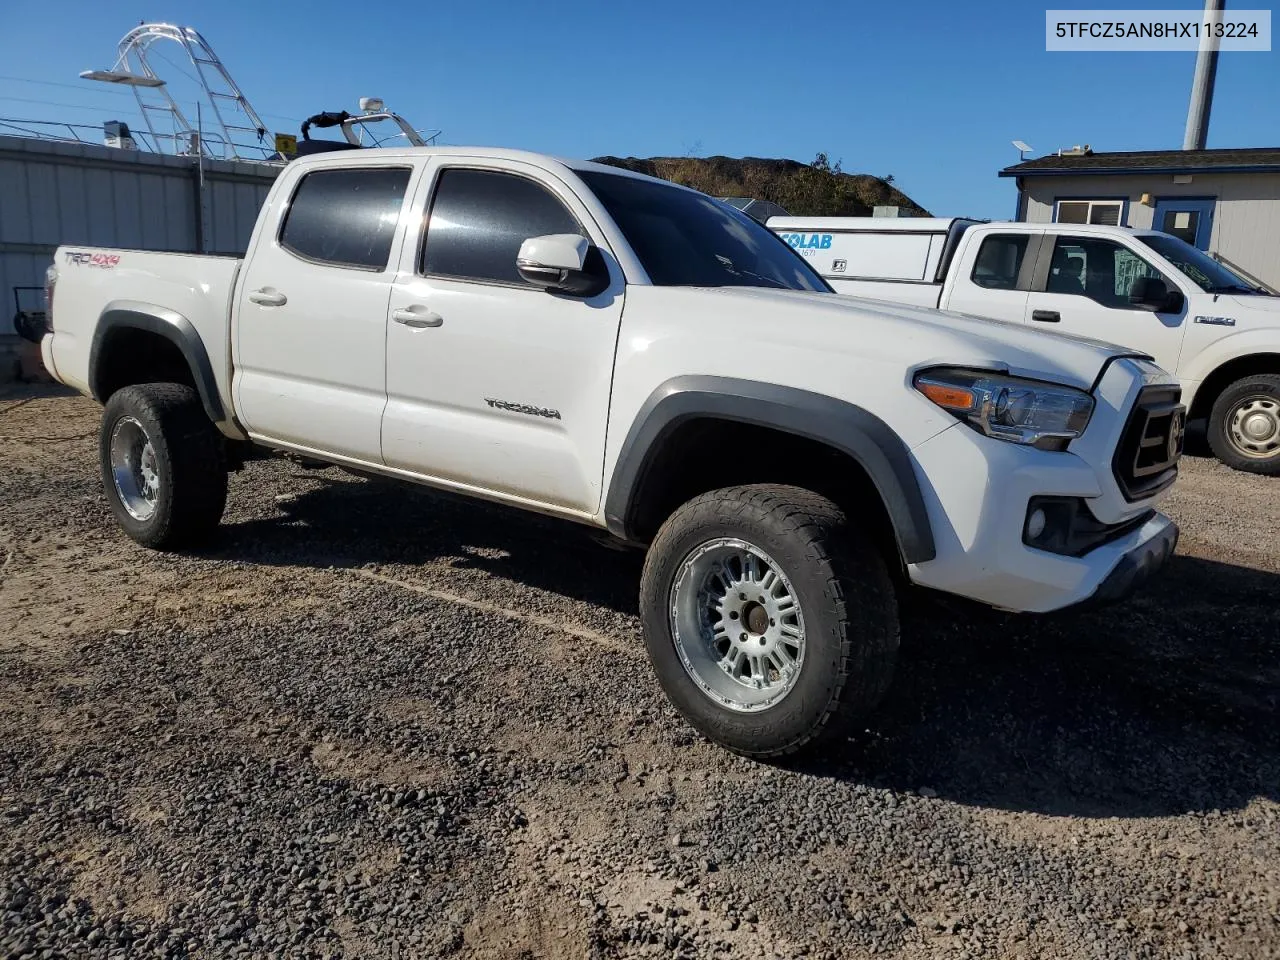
(345, 217)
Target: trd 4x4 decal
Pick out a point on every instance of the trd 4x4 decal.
(84, 258)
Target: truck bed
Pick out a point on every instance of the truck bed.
(92, 280)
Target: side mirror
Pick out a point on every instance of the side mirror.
(563, 262)
(1151, 293)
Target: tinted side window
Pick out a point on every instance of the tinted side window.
(999, 261)
(345, 217)
(480, 218)
(1101, 270)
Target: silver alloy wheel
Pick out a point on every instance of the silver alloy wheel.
(737, 624)
(1254, 427)
(134, 469)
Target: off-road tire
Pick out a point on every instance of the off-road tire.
(845, 593)
(189, 460)
(1262, 385)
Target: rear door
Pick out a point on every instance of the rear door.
(493, 384)
(311, 327)
(1082, 288)
(992, 274)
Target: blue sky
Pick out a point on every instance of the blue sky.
(930, 91)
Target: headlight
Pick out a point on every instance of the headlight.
(1044, 415)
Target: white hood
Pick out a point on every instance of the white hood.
(919, 336)
(1253, 311)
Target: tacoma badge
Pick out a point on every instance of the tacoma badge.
(523, 408)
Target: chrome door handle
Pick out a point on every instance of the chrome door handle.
(417, 316)
(268, 297)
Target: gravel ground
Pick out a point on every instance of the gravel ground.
(374, 722)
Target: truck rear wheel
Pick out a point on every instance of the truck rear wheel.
(163, 468)
(1244, 426)
(770, 622)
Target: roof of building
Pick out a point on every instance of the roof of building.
(1250, 160)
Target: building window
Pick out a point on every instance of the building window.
(1104, 212)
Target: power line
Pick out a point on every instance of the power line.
(107, 91)
(195, 79)
(114, 108)
(189, 76)
(55, 103)
(70, 86)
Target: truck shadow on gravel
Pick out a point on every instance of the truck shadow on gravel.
(348, 522)
(1159, 706)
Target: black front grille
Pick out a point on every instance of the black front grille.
(1146, 460)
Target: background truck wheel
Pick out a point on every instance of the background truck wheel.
(162, 465)
(769, 621)
(1244, 426)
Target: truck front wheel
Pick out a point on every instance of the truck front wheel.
(1244, 425)
(770, 621)
(163, 466)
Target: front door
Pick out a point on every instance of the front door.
(493, 384)
(311, 322)
(1187, 219)
(1082, 288)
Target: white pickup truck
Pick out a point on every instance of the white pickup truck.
(635, 356)
(1217, 332)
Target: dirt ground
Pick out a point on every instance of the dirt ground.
(375, 722)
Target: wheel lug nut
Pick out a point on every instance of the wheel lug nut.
(743, 638)
(733, 614)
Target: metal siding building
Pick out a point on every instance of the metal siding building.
(54, 192)
(1236, 191)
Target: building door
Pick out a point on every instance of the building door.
(1187, 219)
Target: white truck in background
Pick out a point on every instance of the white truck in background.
(631, 355)
(1215, 331)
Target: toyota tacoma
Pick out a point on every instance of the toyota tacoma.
(632, 355)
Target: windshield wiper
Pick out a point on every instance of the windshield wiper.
(1234, 288)
(734, 270)
(766, 281)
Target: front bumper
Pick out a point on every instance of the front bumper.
(977, 491)
(1140, 564)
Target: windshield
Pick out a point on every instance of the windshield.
(1198, 267)
(686, 239)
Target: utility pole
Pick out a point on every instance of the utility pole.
(1202, 86)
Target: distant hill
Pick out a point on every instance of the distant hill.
(818, 189)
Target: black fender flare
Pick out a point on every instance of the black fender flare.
(174, 327)
(843, 426)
